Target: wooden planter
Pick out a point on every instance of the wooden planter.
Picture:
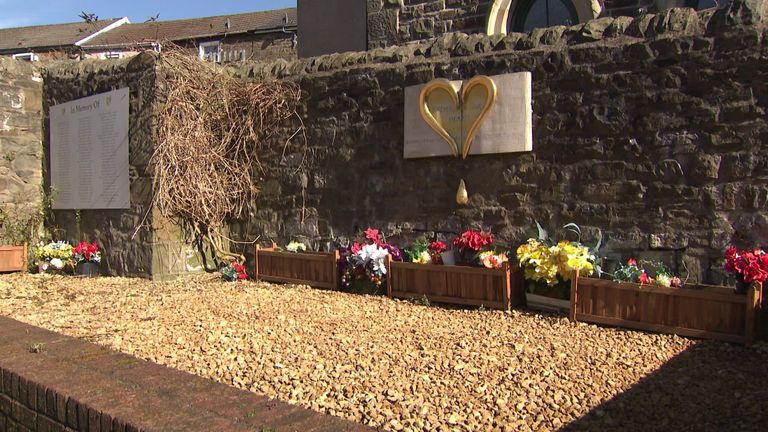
(316, 269)
(13, 258)
(701, 311)
(491, 288)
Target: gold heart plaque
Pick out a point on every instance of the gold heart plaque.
(457, 119)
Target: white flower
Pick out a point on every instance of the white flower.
(57, 263)
(377, 256)
(295, 246)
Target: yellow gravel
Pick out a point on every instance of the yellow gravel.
(394, 364)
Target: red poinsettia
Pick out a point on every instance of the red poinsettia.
(240, 269)
(749, 264)
(437, 247)
(86, 252)
(473, 240)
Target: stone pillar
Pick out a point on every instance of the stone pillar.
(21, 150)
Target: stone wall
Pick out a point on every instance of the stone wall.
(395, 22)
(132, 242)
(21, 152)
(651, 130)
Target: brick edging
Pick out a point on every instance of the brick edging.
(75, 385)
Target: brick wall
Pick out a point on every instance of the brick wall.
(54, 383)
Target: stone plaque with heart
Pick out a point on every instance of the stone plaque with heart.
(482, 115)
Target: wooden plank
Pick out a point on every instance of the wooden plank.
(660, 328)
(680, 292)
(449, 300)
(296, 281)
(708, 313)
(448, 269)
(13, 258)
(574, 295)
(453, 284)
(317, 269)
(305, 256)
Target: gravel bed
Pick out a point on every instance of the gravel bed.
(402, 366)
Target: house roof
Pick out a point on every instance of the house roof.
(21, 39)
(195, 28)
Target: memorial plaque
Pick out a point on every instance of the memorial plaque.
(89, 152)
(504, 128)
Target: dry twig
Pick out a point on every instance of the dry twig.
(208, 135)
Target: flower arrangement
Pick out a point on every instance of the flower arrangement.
(749, 266)
(366, 260)
(469, 244)
(472, 240)
(54, 256)
(548, 266)
(646, 273)
(295, 247)
(421, 252)
(435, 249)
(86, 252)
(492, 260)
(552, 264)
(234, 272)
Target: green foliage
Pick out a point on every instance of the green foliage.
(412, 253)
(19, 223)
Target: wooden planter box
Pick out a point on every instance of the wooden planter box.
(316, 269)
(491, 288)
(702, 311)
(13, 258)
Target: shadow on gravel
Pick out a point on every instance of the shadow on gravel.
(712, 386)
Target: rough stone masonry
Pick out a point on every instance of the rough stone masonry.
(651, 130)
(20, 134)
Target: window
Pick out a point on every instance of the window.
(210, 51)
(531, 14)
(523, 15)
(26, 56)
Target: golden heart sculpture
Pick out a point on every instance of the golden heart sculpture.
(457, 119)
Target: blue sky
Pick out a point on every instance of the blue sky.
(18, 13)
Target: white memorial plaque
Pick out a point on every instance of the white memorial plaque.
(89, 152)
(507, 127)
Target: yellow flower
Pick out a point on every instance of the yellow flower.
(423, 258)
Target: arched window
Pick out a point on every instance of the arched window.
(524, 15)
(531, 14)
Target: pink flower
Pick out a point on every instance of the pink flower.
(373, 235)
(644, 279)
(632, 262)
